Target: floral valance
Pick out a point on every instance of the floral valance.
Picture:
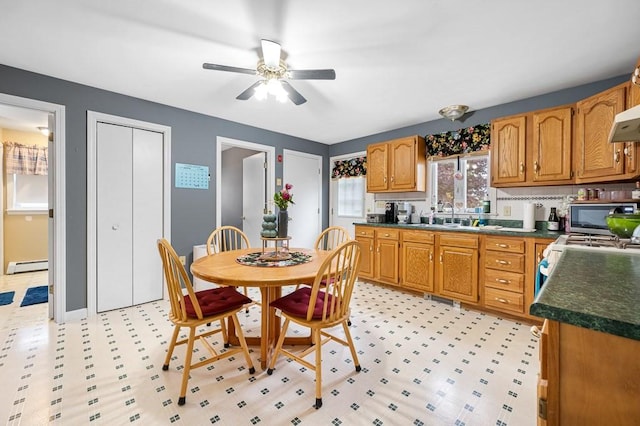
(26, 160)
(352, 167)
(463, 141)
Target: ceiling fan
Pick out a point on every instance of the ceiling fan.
(274, 74)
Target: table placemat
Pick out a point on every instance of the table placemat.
(253, 259)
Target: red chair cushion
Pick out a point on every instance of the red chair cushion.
(297, 303)
(216, 301)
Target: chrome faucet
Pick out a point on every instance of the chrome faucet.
(453, 213)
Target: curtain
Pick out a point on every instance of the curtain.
(353, 167)
(463, 141)
(26, 160)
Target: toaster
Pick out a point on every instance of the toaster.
(375, 218)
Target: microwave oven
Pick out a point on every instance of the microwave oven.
(591, 218)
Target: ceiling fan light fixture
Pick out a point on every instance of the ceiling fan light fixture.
(453, 112)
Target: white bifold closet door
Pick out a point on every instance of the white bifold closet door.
(129, 216)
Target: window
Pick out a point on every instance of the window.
(27, 192)
(351, 197)
(460, 181)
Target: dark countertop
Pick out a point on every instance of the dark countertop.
(598, 290)
(475, 230)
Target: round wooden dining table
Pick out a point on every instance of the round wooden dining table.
(224, 269)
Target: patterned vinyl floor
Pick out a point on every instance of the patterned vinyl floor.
(423, 363)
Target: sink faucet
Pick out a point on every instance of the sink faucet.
(453, 213)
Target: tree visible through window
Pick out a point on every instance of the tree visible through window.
(460, 181)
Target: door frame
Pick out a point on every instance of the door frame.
(57, 252)
(271, 174)
(92, 197)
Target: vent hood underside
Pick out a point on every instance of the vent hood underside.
(626, 126)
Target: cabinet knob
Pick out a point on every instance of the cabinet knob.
(430, 257)
(536, 167)
(503, 281)
(617, 156)
(503, 245)
(521, 168)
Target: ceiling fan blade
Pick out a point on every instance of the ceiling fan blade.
(249, 92)
(312, 74)
(294, 95)
(217, 67)
(271, 53)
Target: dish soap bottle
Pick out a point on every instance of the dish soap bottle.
(553, 223)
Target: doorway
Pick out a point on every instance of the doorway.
(53, 118)
(255, 179)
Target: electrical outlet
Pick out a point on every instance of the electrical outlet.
(183, 260)
(506, 211)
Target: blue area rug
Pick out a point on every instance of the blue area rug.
(35, 295)
(6, 298)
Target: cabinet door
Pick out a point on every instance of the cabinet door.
(403, 164)
(417, 266)
(508, 150)
(596, 157)
(366, 257)
(387, 261)
(458, 273)
(377, 163)
(552, 140)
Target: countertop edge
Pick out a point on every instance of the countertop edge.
(502, 231)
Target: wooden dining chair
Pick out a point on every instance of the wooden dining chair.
(193, 309)
(225, 238)
(321, 308)
(331, 238)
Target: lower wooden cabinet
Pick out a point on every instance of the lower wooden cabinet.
(587, 377)
(418, 260)
(504, 274)
(365, 237)
(458, 266)
(387, 256)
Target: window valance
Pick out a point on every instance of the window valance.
(352, 167)
(26, 160)
(465, 140)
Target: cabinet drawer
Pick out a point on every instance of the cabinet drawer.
(387, 234)
(364, 232)
(504, 300)
(458, 240)
(504, 244)
(504, 261)
(504, 280)
(418, 236)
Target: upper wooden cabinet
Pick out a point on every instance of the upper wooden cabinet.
(596, 158)
(532, 148)
(508, 142)
(397, 166)
(551, 145)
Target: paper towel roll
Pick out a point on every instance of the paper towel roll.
(529, 221)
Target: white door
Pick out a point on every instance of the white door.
(304, 172)
(253, 196)
(129, 216)
(51, 195)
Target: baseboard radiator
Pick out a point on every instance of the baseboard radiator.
(27, 266)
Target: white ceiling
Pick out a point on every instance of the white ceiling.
(397, 63)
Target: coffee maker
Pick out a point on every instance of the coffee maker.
(404, 212)
(390, 212)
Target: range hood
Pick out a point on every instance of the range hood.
(626, 126)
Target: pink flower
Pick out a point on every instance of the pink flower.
(288, 186)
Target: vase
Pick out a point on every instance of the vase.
(283, 223)
(269, 226)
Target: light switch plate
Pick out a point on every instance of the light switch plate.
(506, 211)
(278, 181)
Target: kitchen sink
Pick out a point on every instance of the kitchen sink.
(445, 226)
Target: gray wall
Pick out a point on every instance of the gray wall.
(193, 141)
(482, 116)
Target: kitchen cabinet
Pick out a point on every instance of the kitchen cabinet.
(551, 146)
(508, 141)
(458, 266)
(632, 149)
(365, 237)
(397, 166)
(587, 377)
(387, 255)
(597, 160)
(418, 260)
(504, 274)
(533, 149)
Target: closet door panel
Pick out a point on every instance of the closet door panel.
(147, 215)
(114, 223)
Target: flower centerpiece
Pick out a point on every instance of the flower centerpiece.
(282, 199)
